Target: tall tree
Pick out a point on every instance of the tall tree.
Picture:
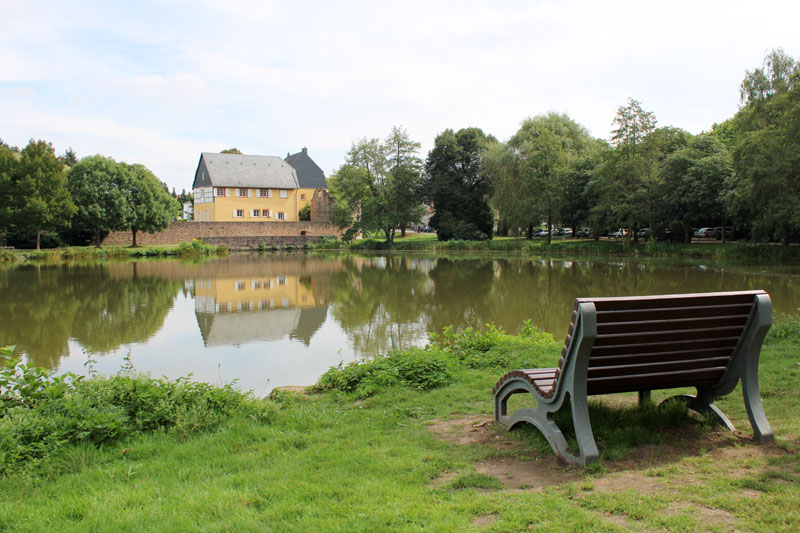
(530, 175)
(695, 181)
(8, 164)
(777, 75)
(766, 155)
(629, 180)
(457, 186)
(378, 187)
(152, 208)
(99, 188)
(42, 200)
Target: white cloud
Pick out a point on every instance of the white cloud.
(159, 82)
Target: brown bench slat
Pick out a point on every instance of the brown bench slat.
(669, 301)
(662, 313)
(647, 326)
(623, 349)
(656, 367)
(668, 336)
(675, 355)
(654, 381)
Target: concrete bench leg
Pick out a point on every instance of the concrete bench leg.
(762, 432)
(703, 403)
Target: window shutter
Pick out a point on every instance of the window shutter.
(234, 213)
(249, 193)
(236, 191)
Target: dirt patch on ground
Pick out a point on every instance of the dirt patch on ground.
(527, 475)
(478, 429)
(519, 472)
(631, 480)
(620, 520)
(705, 515)
(529, 471)
(484, 520)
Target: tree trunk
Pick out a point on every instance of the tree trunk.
(38, 234)
(134, 231)
(529, 233)
(549, 225)
(97, 238)
(403, 230)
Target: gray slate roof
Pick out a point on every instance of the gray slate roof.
(309, 175)
(237, 170)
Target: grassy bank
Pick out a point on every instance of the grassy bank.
(403, 442)
(578, 248)
(193, 248)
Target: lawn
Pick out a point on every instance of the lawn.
(409, 444)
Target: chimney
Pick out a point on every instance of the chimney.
(305, 150)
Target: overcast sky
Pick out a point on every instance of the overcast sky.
(158, 83)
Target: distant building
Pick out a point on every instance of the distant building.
(188, 210)
(238, 187)
(309, 176)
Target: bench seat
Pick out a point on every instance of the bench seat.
(708, 341)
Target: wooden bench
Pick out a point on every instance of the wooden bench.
(708, 341)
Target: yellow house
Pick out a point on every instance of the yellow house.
(309, 176)
(254, 188)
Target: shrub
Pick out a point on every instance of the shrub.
(40, 413)
(414, 368)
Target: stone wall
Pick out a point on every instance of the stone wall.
(321, 207)
(270, 233)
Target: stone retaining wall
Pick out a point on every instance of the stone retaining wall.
(244, 232)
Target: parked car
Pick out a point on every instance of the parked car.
(619, 234)
(643, 233)
(566, 231)
(540, 233)
(583, 233)
(704, 233)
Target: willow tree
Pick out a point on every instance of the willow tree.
(529, 174)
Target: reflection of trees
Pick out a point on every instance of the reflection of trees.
(46, 305)
(380, 299)
(378, 302)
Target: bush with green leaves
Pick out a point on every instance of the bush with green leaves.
(414, 368)
(493, 348)
(41, 413)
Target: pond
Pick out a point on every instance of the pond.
(283, 319)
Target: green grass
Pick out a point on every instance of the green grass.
(345, 460)
(574, 247)
(92, 253)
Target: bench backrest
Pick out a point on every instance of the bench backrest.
(667, 341)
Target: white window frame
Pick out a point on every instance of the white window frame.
(284, 193)
(265, 193)
(238, 213)
(220, 191)
(280, 215)
(266, 213)
(255, 213)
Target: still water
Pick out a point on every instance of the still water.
(272, 320)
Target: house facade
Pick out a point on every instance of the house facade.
(253, 188)
(309, 176)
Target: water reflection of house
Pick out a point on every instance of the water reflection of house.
(234, 311)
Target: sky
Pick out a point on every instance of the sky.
(158, 83)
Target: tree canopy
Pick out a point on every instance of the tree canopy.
(457, 187)
(378, 187)
(40, 201)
